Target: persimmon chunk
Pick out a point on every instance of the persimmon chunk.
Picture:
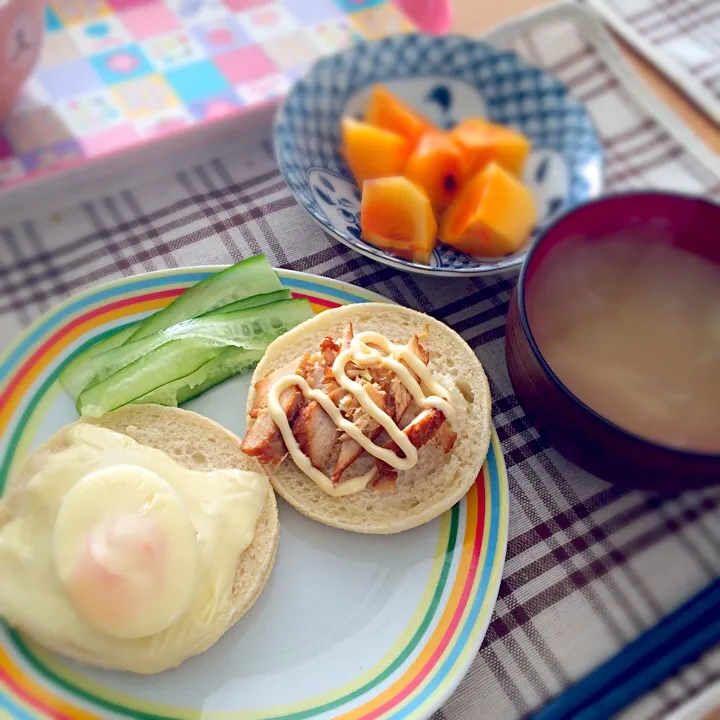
(493, 215)
(372, 152)
(486, 142)
(396, 215)
(389, 112)
(437, 165)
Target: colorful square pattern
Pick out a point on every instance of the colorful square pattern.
(120, 65)
(117, 73)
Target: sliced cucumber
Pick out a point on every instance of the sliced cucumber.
(111, 341)
(74, 378)
(177, 356)
(253, 276)
(254, 301)
(251, 329)
(230, 362)
(74, 367)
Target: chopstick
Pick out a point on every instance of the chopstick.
(677, 640)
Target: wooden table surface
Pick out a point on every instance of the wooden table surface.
(478, 16)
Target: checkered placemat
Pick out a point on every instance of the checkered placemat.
(588, 566)
(115, 74)
(680, 37)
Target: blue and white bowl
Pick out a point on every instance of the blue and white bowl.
(447, 78)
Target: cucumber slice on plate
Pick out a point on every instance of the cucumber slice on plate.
(149, 365)
(249, 277)
(251, 329)
(68, 377)
(254, 301)
(230, 362)
(111, 341)
(256, 281)
(175, 358)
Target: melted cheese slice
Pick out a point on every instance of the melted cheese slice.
(107, 515)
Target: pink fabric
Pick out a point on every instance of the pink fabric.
(431, 16)
(114, 138)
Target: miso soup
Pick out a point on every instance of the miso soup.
(633, 330)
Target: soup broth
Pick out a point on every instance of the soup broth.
(632, 329)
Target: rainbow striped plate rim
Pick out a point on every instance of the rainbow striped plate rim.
(431, 652)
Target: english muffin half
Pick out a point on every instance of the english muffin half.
(450, 455)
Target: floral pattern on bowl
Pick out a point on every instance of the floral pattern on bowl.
(447, 78)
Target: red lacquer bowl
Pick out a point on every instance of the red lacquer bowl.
(576, 430)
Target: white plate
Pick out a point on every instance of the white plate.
(349, 626)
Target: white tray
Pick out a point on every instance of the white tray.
(681, 39)
(647, 145)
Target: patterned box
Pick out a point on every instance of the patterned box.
(115, 74)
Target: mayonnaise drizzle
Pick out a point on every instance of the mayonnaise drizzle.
(363, 352)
